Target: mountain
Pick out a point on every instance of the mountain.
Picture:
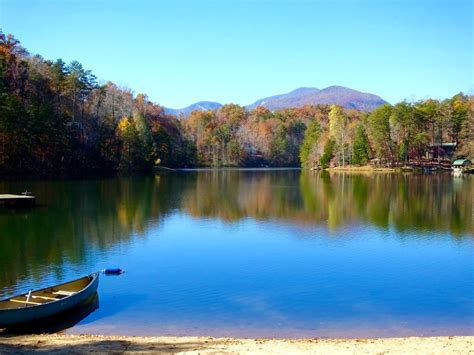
(339, 95)
(201, 105)
(284, 100)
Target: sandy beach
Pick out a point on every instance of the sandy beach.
(67, 344)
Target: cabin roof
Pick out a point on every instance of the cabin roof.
(463, 162)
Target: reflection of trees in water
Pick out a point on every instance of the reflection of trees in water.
(419, 202)
(86, 214)
(234, 194)
(439, 203)
(78, 216)
(347, 198)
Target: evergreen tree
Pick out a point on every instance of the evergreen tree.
(378, 125)
(328, 154)
(360, 147)
(312, 134)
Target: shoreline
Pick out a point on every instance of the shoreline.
(371, 168)
(365, 169)
(65, 343)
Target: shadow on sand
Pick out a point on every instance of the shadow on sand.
(63, 345)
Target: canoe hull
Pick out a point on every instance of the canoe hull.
(14, 317)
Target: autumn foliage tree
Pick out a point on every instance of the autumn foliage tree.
(338, 122)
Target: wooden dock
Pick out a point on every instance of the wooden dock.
(12, 201)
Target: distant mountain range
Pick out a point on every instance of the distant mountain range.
(201, 105)
(338, 95)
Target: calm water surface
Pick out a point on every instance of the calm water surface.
(253, 253)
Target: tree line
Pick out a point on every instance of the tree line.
(392, 134)
(56, 117)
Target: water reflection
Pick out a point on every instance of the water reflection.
(80, 215)
(404, 202)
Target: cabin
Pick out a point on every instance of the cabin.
(461, 165)
(441, 151)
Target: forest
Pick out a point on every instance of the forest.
(58, 118)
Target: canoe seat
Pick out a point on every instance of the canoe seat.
(25, 302)
(64, 293)
(46, 298)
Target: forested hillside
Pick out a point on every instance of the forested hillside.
(55, 117)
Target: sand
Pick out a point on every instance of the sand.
(67, 344)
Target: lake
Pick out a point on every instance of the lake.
(253, 253)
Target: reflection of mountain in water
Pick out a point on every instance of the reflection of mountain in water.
(85, 214)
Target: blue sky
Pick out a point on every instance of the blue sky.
(183, 51)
